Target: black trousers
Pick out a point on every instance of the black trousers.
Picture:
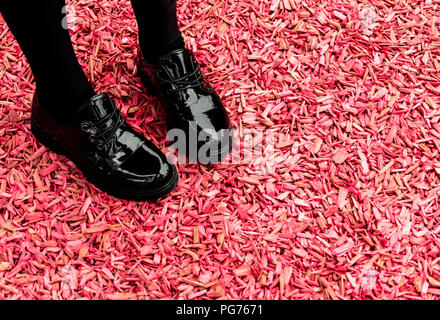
(40, 29)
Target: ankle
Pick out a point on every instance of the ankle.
(153, 56)
(63, 105)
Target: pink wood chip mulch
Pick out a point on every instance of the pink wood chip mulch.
(350, 210)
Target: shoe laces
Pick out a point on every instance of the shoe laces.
(193, 79)
(104, 135)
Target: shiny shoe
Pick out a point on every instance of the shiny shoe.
(111, 155)
(191, 104)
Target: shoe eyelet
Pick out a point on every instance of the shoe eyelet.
(92, 138)
(84, 127)
(100, 146)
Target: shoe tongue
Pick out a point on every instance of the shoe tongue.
(176, 64)
(96, 108)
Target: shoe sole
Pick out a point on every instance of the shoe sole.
(119, 193)
(152, 90)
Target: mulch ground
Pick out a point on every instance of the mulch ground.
(343, 205)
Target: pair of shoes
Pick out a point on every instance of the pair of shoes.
(119, 160)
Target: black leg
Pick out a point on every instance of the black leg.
(158, 28)
(41, 32)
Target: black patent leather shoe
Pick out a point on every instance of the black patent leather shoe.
(111, 155)
(191, 105)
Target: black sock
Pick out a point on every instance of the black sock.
(39, 27)
(158, 28)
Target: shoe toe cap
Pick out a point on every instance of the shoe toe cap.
(147, 168)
